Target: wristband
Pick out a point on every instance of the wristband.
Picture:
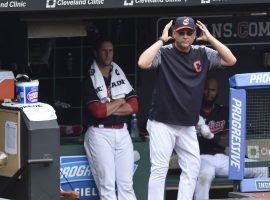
(162, 40)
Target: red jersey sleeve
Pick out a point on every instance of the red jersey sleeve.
(98, 109)
(133, 102)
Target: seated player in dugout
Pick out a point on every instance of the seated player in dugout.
(214, 142)
(109, 100)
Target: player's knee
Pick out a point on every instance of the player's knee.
(207, 174)
(125, 187)
(205, 178)
(159, 171)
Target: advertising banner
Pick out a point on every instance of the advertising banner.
(76, 175)
(255, 184)
(250, 80)
(232, 30)
(258, 149)
(35, 5)
(237, 137)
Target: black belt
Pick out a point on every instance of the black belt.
(114, 126)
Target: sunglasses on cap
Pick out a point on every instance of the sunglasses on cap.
(188, 33)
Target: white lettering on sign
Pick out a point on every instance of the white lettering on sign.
(149, 1)
(263, 185)
(205, 1)
(95, 2)
(242, 30)
(17, 4)
(260, 78)
(89, 191)
(236, 133)
(131, 2)
(13, 4)
(71, 3)
(172, 1)
(78, 2)
(75, 171)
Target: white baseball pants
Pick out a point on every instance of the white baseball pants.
(218, 165)
(163, 139)
(111, 158)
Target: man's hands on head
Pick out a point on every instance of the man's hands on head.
(165, 34)
(227, 57)
(147, 57)
(205, 34)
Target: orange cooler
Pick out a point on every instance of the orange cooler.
(6, 85)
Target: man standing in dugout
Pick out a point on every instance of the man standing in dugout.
(181, 72)
(109, 100)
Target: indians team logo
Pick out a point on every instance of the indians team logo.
(186, 21)
(217, 126)
(198, 66)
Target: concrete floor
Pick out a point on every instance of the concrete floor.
(214, 194)
(248, 198)
(224, 195)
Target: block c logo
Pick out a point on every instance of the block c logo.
(50, 3)
(128, 3)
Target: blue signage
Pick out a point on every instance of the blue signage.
(76, 175)
(250, 80)
(255, 184)
(237, 134)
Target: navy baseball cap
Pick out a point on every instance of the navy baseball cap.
(184, 23)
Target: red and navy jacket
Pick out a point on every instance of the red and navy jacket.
(96, 111)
